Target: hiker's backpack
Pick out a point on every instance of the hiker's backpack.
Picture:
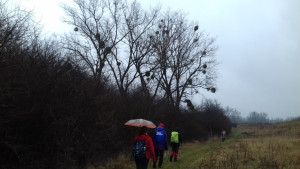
(139, 149)
(174, 137)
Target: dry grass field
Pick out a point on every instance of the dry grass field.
(264, 146)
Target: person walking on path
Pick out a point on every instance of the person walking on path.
(160, 140)
(143, 149)
(176, 141)
(223, 134)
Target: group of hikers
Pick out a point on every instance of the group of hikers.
(146, 147)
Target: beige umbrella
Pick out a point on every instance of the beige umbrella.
(140, 123)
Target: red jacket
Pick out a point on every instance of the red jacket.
(149, 146)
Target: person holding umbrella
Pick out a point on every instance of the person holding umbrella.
(143, 149)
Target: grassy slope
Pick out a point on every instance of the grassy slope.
(265, 146)
(268, 146)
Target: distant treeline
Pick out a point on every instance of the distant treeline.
(254, 117)
(53, 114)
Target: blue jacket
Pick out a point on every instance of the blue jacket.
(160, 139)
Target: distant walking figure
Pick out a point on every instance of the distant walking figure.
(176, 141)
(223, 135)
(143, 149)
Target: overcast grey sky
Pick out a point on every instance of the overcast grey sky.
(259, 48)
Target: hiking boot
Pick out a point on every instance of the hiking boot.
(154, 166)
(175, 159)
(171, 158)
(159, 166)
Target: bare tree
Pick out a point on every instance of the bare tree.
(255, 117)
(111, 33)
(17, 28)
(184, 58)
(233, 114)
(168, 54)
(96, 35)
(131, 59)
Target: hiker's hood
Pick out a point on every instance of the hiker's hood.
(143, 137)
(161, 125)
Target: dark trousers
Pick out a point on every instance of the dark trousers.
(159, 157)
(175, 147)
(223, 138)
(174, 153)
(141, 163)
